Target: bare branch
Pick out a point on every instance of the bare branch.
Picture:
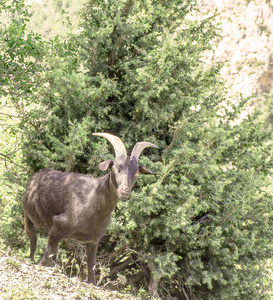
(173, 140)
(9, 115)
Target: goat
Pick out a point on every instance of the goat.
(77, 206)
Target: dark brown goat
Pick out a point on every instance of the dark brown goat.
(77, 206)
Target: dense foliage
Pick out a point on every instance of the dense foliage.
(21, 56)
(21, 53)
(200, 229)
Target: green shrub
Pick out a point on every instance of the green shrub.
(202, 228)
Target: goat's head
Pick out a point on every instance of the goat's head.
(125, 169)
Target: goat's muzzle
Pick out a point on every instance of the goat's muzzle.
(123, 193)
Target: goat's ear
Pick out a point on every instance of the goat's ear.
(104, 165)
(145, 171)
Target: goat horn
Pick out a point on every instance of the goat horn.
(115, 141)
(139, 147)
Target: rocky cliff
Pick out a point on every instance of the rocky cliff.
(246, 47)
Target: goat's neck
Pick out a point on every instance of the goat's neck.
(110, 198)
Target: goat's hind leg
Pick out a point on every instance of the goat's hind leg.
(51, 250)
(30, 231)
(57, 232)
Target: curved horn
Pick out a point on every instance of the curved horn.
(139, 147)
(115, 141)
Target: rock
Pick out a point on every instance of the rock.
(266, 81)
(246, 44)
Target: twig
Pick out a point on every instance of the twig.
(16, 149)
(112, 255)
(121, 266)
(4, 114)
(185, 294)
(173, 140)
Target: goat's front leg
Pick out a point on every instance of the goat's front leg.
(91, 261)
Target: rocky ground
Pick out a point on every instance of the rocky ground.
(21, 280)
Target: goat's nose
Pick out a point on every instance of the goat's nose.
(126, 189)
(124, 193)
